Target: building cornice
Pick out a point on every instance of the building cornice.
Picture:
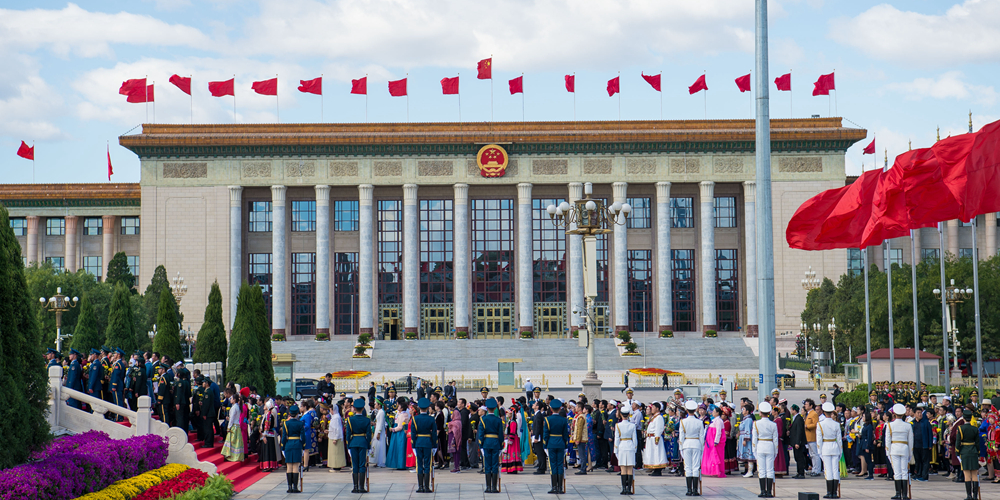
(69, 195)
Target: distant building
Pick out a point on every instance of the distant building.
(930, 366)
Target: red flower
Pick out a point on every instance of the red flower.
(189, 479)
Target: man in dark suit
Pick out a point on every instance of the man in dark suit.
(463, 447)
(371, 394)
(326, 389)
(409, 383)
(797, 438)
(537, 429)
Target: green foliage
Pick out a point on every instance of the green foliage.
(121, 327)
(87, 336)
(359, 350)
(249, 360)
(624, 336)
(366, 338)
(211, 344)
(265, 368)
(666, 334)
(217, 487)
(23, 379)
(631, 347)
(168, 340)
(158, 281)
(142, 339)
(118, 271)
(711, 333)
(151, 299)
(859, 396)
(43, 281)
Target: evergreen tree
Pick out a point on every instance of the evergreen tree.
(211, 345)
(264, 338)
(87, 336)
(152, 295)
(118, 272)
(247, 365)
(23, 378)
(121, 327)
(168, 340)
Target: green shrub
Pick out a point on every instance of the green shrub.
(624, 336)
(217, 487)
(666, 334)
(711, 333)
(211, 345)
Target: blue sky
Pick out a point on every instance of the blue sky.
(902, 68)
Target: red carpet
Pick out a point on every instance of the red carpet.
(242, 474)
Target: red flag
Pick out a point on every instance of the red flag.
(183, 83)
(110, 170)
(698, 86)
(129, 86)
(743, 83)
(516, 85)
(314, 86)
(26, 152)
(784, 82)
(140, 94)
(889, 217)
(652, 80)
(835, 218)
(219, 89)
(869, 149)
(485, 68)
(971, 169)
(449, 86)
(360, 86)
(824, 85)
(266, 87)
(397, 88)
(928, 198)
(570, 83)
(613, 86)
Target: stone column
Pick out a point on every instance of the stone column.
(366, 259)
(576, 297)
(620, 267)
(279, 260)
(31, 253)
(708, 255)
(750, 253)
(525, 277)
(952, 226)
(411, 260)
(462, 270)
(235, 249)
(70, 241)
(991, 234)
(323, 259)
(664, 284)
(108, 247)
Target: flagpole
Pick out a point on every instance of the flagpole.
(661, 106)
(32, 161)
(791, 114)
(407, 98)
(191, 95)
(916, 331)
(975, 288)
(705, 73)
(574, 96)
(366, 97)
(868, 323)
(887, 263)
(835, 94)
(945, 326)
(619, 95)
(491, 88)
(459, 76)
(145, 93)
(522, 98)
(234, 98)
(154, 99)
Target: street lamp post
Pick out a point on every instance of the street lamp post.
(832, 328)
(178, 287)
(591, 217)
(811, 282)
(58, 304)
(953, 296)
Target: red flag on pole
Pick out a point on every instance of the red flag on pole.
(219, 89)
(516, 85)
(397, 88)
(743, 83)
(314, 86)
(449, 86)
(698, 86)
(485, 68)
(25, 151)
(110, 170)
(128, 86)
(613, 86)
(570, 83)
(869, 149)
(824, 85)
(183, 83)
(360, 86)
(784, 82)
(835, 218)
(266, 87)
(140, 94)
(653, 81)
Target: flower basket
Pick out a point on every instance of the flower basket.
(277, 337)
(321, 336)
(462, 335)
(711, 333)
(666, 334)
(411, 335)
(624, 337)
(526, 335)
(365, 339)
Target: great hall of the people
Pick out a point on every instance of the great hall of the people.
(399, 228)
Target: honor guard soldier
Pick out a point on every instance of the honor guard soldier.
(628, 397)
(52, 356)
(359, 428)
(968, 453)
(198, 407)
(484, 393)
(163, 396)
(117, 377)
(104, 357)
(74, 377)
(625, 445)
(182, 398)
(830, 449)
(292, 432)
(692, 440)
(555, 436)
(764, 438)
(135, 384)
(899, 437)
(426, 439)
(491, 440)
(95, 375)
(536, 394)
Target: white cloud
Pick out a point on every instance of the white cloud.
(965, 33)
(28, 104)
(947, 86)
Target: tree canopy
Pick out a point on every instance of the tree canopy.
(211, 344)
(87, 336)
(121, 327)
(118, 272)
(167, 341)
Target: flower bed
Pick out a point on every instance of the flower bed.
(216, 488)
(350, 374)
(187, 480)
(652, 371)
(131, 488)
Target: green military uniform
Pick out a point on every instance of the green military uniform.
(968, 453)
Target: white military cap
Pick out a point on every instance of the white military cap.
(899, 409)
(765, 407)
(828, 406)
(690, 405)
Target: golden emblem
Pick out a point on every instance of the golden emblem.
(492, 161)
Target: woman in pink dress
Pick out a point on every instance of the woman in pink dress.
(714, 455)
(510, 459)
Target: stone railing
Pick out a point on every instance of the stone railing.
(141, 420)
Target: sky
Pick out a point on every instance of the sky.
(903, 68)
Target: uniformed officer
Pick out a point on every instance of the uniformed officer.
(830, 448)
(74, 377)
(555, 435)
(628, 397)
(425, 441)
(52, 356)
(135, 385)
(292, 432)
(182, 398)
(491, 439)
(95, 376)
(359, 430)
(484, 393)
(209, 413)
(163, 399)
(764, 439)
(104, 358)
(968, 453)
(692, 440)
(198, 395)
(899, 436)
(536, 394)
(626, 444)
(117, 378)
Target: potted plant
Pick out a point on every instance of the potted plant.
(365, 339)
(277, 337)
(666, 334)
(526, 335)
(359, 351)
(711, 333)
(462, 334)
(322, 336)
(624, 337)
(576, 334)
(411, 335)
(630, 349)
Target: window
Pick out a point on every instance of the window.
(345, 293)
(130, 225)
(55, 226)
(93, 226)
(548, 249)
(303, 216)
(58, 263)
(19, 225)
(855, 261)
(93, 266)
(493, 251)
(260, 217)
(640, 290)
(304, 293)
(260, 274)
(727, 289)
(437, 237)
(929, 254)
(390, 252)
(963, 253)
(133, 265)
(682, 281)
(896, 254)
(602, 268)
(964, 223)
(641, 217)
(681, 212)
(345, 215)
(725, 211)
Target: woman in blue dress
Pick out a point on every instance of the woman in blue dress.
(396, 456)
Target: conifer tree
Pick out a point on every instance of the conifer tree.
(211, 345)
(86, 336)
(168, 340)
(266, 367)
(118, 272)
(121, 327)
(244, 348)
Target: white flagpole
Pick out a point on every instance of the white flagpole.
(407, 97)
(705, 73)
(366, 97)
(459, 76)
(574, 96)
(791, 114)
(491, 88)
(619, 95)
(661, 109)
(145, 93)
(154, 99)
(33, 162)
(522, 98)
(234, 98)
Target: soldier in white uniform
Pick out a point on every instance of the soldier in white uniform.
(764, 438)
(654, 455)
(625, 446)
(829, 441)
(899, 437)
(692, 440)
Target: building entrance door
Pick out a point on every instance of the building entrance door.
(391, 316)
(550, 320)
(494, 320)
(436, 321)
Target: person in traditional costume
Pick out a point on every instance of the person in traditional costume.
(336, 441)
(732, 436)
(865, 446)
(455, 440)
(744, 445)
(398, 444)
(378, 447)
(510, 458)
(713, 456)
(270, 449)
(411, 432)
(654, 456)
(322, 427)
(781, 459)
(233, 447)
(625, 447)
(309, 441)
(670, 436)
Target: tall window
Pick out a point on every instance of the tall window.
(548, 251)
(682, 270)
(133, 265)
(19, 225)
(641, 216)
(303, 216)
(93, 266)
(345, 215)
(55, 226)
(390, 251)
(130, 225)
(304, 293)
(727, 290)
(895, 255)
(59, 263)
(640, 290)
(260, 274)
(963, 253)
(725, 211)
(928, 254)
(92, 226)
(855, 261)
(260, 217)
(493, 250)
(437, 237)
(345, 293)
(602, 268)
(681, 212)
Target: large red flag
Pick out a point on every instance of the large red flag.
(928, 198)
(516, 85)
(360, 86)
(314, 86)
(266, 87)
(845, 225)
(140, 94)
(613, 86)
(806, 224)
(784, 82)
(110, 170)
(449, 85)
(982, 173)
(129, 86)
(485, 68)
(824, 85)
(888, 217)
(653, 81)
(698, 86)
(869, 149)
(219, 89)
(25, 151)
(397, 88)
(743, 83)
(570, 83)
(181, 82)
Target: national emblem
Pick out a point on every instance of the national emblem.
(492, 161)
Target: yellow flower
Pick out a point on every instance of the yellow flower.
(127, 489)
